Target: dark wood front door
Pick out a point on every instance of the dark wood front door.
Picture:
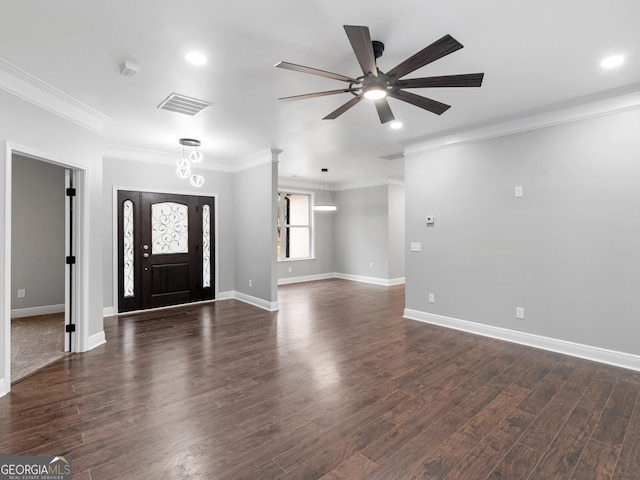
(165, 252)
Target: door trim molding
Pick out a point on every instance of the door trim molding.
(114, 233)
(81, 287)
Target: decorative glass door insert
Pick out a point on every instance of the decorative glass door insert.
(169, 228)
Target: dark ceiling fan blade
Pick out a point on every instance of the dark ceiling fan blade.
(466, 80)
(361, 44)
(384, 110)
(339, 111)
(318, 94)
(432, 105)
(433, 52)
(315, 71)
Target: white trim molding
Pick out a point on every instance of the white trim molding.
(256, 302)
(30, 88)
(147, 155)
(32, 311)
(3, 387)
(604, 103)
(596, 354)
(96, 340)
(387, 282)
(306, 278)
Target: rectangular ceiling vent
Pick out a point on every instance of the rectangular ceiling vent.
(393, 156)
(183, 104)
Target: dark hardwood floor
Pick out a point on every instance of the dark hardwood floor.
(336, 385)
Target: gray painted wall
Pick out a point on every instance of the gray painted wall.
(37, 234)
(396, 231)
(137, 175)
(567, 251)
(255, 223)
(361, 232)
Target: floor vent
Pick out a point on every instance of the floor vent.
(393, 156)
(183, 104)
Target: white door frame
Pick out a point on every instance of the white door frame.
(80, 288)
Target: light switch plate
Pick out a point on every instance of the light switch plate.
(416, 246)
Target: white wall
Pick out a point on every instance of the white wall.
(37, 234)
(567, 251)
(161, 177)
(27, 126)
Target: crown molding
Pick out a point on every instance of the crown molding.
(604, 103)
(123, 152)
(256, 159)
(30, 88)
(351, 185)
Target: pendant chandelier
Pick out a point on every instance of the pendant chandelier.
(323, 205)
(184, 164)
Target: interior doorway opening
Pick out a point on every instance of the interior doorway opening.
(43, 264)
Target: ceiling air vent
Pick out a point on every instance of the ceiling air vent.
(393, 156)
(183, 104)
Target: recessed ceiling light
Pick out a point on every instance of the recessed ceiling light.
(612, 62)
(395, 125)
(196, 58)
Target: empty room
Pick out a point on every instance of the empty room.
(320, 240)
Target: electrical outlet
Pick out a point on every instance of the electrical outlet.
(22, 293)
(250, 283)
(520, 313)
(519, 191)
(370, 264)
(290, 269)
(432, 298)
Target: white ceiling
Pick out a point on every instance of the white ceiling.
(533, 54)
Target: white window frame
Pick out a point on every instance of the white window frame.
(311, 226)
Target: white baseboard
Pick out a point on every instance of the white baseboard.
(375, 280)
(256, 302)
(96, 340)
(31, 311)
(306, 278)
(596, 354)
(108, 312)
(225, 295)
(3, 387)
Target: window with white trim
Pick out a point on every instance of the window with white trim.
(294, 226)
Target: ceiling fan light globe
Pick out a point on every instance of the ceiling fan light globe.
(375, 93)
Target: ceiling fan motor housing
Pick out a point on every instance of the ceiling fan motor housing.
(378, 48)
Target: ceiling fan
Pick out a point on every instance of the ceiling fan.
(377, 85)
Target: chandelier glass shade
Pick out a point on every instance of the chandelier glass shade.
(183, 169)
